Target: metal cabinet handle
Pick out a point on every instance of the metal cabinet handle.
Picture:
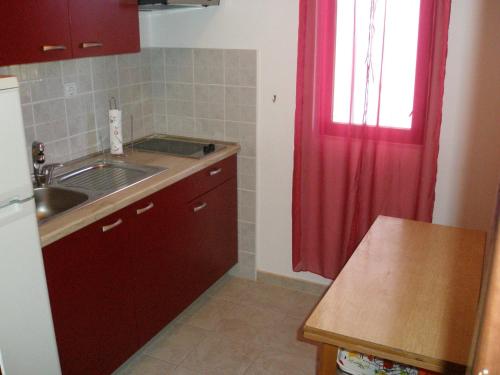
(107, 228)
(215, 171)
(147, 208)
(91, 45)
(48, 48)
(200, 207)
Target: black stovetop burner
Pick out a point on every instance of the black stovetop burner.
(177, 147)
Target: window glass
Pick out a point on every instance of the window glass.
(375, 62)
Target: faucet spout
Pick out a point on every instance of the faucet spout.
(38, 157)
(42, 173)
(48, 172)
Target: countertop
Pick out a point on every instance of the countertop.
(177, 169)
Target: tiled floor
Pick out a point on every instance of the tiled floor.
(238, 327)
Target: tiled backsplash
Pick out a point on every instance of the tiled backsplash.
(69, 124)
(202, 93)
(212, 94)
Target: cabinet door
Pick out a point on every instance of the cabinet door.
(160, 261)
(34, 31)
(214, 236)
(89, 282)
(104, 27)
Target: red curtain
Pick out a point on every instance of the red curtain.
(342, 182)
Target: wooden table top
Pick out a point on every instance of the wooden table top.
(409, 293)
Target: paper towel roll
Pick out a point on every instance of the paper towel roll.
(115, 132)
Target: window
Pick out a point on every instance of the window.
(380, 50)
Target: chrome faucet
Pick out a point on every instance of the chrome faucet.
(42, 173)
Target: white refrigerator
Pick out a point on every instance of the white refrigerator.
(27, 340)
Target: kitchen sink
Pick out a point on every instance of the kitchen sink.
(51, 201)
(88, 183)
(105, 177)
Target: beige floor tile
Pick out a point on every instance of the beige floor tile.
(237, 327)
(281, 363)
(146, 365)
(256, 315)
(233, 290)
(287, 336)
(303, 304)
(250, 324)
(209, 315)
(272, 297)
(188, 311)
(176, 343)
(237, 330)
(184, 371)
(250, 293)
(218, 355)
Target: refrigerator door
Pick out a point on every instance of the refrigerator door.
(27, 340)
(15, 182)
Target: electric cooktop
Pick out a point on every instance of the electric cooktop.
(177, 146)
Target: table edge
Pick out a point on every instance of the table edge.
(382, 351)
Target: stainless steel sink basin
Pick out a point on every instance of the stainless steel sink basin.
(86, 184)
(105, 177)
(51, 201)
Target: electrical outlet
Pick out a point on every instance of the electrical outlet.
(69, 89)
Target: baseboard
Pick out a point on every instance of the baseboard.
(291, 283)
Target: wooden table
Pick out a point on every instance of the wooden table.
(409, 294)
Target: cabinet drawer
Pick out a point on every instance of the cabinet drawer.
(211, 177)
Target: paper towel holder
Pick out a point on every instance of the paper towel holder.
(112, 103)
(113, 106)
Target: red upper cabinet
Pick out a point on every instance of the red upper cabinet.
(34, 31)
(104, 27)
(45, 30)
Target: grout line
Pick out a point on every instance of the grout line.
(165, 89)
(94, 99)
(246, 221)
(68, 136)
(247, 190)
(221, 84)
(194, 91)
(225, 99)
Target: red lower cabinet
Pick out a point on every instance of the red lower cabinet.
(188, 247)
(160, 262)
(213, 240)
(89, 282)
(116, 283)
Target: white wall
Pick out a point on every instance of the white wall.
(145, 29)
(270, 26)
(469, 156)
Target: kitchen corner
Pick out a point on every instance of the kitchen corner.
(176, 169)
(190, 92)
(139, 256)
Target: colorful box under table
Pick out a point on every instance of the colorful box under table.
(361, 364)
